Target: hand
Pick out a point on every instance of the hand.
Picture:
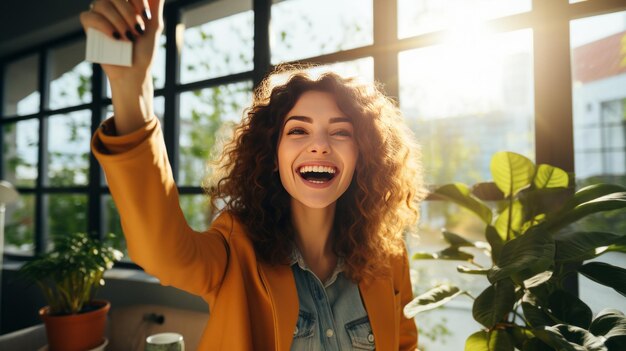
(139, 21)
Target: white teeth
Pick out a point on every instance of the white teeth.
(317, 169)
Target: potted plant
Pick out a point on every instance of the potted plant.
(534, 248)
(69, 277)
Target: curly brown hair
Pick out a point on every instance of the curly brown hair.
(379, 204)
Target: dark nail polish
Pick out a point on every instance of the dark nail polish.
(117, 35)
(130, 36)
(146, 14)
(139, 29)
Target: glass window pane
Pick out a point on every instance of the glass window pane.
(68, 148)
(19, 226)
(308, 28)
(159, 108)
(599, 94)
(196, 209)
(419, 17)
(361, 69)
(21, 88)
(158, 66)
(19, 152)
(599, 106)
(70, 76)
(67, 213)
(465, 108)
(206, 117)
(111, 224)
(218, 40)
(592, 135)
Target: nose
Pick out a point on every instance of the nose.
(319, 145)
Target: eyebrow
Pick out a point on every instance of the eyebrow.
(306, 119)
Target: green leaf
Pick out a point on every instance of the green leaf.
(531, 253)
(431, 299)
(537, 279)
(510, 221)
(467, 270)
(615, 248)
(461, 195)
(606, 274)
(550, 177)
(609, 323)
(425, 256)
(511, 172)
(450, 253)
(612, 325)
(456, 240)
(535, 344)
(534, 313)
(607, 202)
(494, 303)
(487, 191)
(495, 340)
(569, 309)
(495, 241)
(594, 191)
(588, 201)
(616, 343)
(568, 337)
(520, 335)
(538, 202)
(581, 246)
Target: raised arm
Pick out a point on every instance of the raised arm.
(136, 165)
(139, 21)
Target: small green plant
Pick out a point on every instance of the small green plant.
(534, 248)
(71, 273)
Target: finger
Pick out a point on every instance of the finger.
(130, 15)
(156, 7)
(151, 12)
(91, 19)
(143, 8)
(106, 9)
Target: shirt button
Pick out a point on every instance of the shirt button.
(295, 331)
(370, 337)
(330, 333)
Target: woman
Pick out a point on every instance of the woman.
(316, 187)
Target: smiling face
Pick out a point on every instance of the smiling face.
(317, 152)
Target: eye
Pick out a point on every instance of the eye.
(343, 133)
(296, 131)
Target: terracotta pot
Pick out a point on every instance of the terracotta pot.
(76, 332)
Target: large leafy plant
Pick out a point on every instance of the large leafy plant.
(71, 273)
(534, 248)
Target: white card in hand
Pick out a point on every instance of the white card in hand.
(102, 49)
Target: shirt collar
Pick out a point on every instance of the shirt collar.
(296, 258)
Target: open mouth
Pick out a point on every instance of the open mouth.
(317, 174)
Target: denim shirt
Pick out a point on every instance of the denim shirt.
(331, 315)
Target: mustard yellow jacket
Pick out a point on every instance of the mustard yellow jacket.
(253, 305)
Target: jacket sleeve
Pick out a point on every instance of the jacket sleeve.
(408, 329)
(158, 237)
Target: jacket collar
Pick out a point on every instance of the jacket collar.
(277, 279)
(377, 295)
